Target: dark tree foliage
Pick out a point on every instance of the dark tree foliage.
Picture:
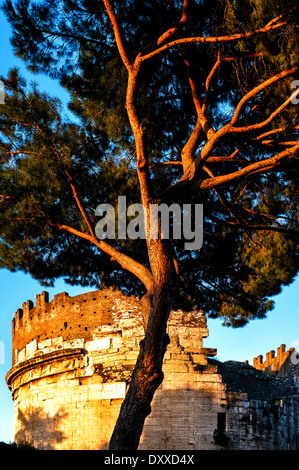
(238, 268)
(174, 102)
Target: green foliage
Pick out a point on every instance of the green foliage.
(237, 270)
(12, 446)
(36, 193)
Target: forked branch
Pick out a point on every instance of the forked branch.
(254, 168)
(126, 262)
(271, 26)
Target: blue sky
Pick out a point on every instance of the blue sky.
(260, 336)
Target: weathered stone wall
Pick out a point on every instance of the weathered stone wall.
(262, 410)
(276, 365)
(65, 410)
(72, 363)
(68, 389)
(69, 317)
(185, 419)
(59, 413)
(264, 425)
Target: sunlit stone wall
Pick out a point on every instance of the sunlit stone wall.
(72, 363)
(68, 388)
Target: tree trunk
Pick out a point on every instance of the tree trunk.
(146, 378)
(147, 374)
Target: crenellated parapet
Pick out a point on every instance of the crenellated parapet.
(69, 317)
(279, 364)
(25, 314)
(74, 357)
(73, 362)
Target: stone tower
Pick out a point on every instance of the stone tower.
(72, 362)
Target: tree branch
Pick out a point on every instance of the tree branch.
(230, 207)
(218, 62)
(201, 124)
(230, 158)
(208, 147)
(268, 120)
(171, 31)
(266, 228)
(133, 70)
(76, 37)
(117, 34)
(273, 143)
(175, 163)
(257, 89)
(126, 262)
(257, 167)
(271, 26)
(274, 131)
(3, 197)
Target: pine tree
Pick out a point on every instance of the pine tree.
(175, 102)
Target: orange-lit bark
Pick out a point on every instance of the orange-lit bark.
(271, 26)
(262, 166)
(147, 374)
(202, 124)
(126, 262)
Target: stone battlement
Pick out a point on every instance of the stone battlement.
(73, 359)
(30, 312)
(70, 317)
(76, 317)
(276, 365)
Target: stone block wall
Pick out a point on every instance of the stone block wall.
(264, 424)
(69, 317)
(72, 363)
(68, 389)
(56, 413)
(276, 365)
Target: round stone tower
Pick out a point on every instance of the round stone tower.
(72, 362)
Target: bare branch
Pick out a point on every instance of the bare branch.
(165, 163)
(117, 34)
(208, 147)
(201, 125)
(274, 131)
(230, 158)
(273, 143)
(257, 167)
(2, 197)
(171, 31)
(218, 62)
(230, 207)
(271, 26)
(77, 37)
(209, 79)
(262, 86)
(253, 228)
(126, 262)
(266, 121)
